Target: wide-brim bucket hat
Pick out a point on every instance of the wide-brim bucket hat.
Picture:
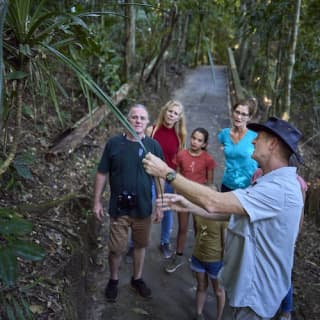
(289, 134)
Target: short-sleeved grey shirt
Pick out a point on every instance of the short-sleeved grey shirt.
(260, 246)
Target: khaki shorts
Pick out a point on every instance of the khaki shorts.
(119, 232)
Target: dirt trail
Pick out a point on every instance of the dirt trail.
(206, 104)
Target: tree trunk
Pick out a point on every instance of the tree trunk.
(183, 35)
(164, 43)
(130, 41)
(3, 11)
(277, 81)
(243, 55)
(236, 90)
(292, 53)
(244, 39)
(199, 38)
(5, 165)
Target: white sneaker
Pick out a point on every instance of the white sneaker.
(175, 263)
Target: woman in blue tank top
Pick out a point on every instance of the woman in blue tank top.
(238, 147)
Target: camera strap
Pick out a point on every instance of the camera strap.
(125, 144)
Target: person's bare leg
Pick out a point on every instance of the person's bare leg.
(220, 296)
(183, 219)
(114, 265)
(201, 294)
(138, 262)
(111, 291)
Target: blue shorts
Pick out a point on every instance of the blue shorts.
(211, 268)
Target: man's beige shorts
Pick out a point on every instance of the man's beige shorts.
(119, 232)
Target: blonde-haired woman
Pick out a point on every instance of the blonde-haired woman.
(171, 132)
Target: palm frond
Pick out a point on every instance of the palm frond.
(99, 13)
(86, 78)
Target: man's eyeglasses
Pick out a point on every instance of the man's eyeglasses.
(242, 114)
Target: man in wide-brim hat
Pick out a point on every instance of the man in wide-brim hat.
(264, 220)
(288, 134)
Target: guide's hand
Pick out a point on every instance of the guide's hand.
(173, 201)
(155, 166)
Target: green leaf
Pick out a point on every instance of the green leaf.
(54, 98)
(8, 267)
(18, 309)
(27, 250)
(25, 158)
(23, 171)
(31, 285)
(25, 49)
(21, 163)
(7, 212)
(26, 307)
(15, 226)
(80, 22)
(28, 111)
(99, 13)
(16, 75)
(9, 312)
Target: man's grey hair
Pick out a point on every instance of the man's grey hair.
(137, 105)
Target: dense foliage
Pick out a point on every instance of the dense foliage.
(260, 33)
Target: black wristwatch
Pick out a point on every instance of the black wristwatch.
(170, 176)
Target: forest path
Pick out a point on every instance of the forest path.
(173, 296)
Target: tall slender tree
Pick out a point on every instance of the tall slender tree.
(130, 41)
(291, 61)
(3, 12)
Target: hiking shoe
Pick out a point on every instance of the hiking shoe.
(141, 288)
(111, 291)
(129, 256)
(175, 262)
(165, 250)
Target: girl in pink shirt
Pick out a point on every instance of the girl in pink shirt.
(196, 164)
